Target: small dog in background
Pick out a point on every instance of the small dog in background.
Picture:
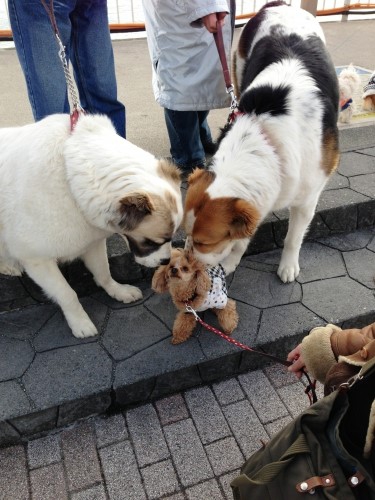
(349, 84)
(192, 283)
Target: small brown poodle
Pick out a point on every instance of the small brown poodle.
(191, 282)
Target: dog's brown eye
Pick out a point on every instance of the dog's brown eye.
(185, 269)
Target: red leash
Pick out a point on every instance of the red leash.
(311, 384)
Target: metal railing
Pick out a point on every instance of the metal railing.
(127, 15)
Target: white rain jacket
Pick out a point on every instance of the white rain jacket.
(187, 73)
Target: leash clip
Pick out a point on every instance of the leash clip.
(189, 309)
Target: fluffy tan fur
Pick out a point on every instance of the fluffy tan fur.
(187, 281)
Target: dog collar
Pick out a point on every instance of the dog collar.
(345, 104)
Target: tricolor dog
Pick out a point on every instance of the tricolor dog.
(280, 148)
(63, 193)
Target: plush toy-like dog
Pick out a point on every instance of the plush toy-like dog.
(349, 85)
(191, 282)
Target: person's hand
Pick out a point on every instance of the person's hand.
(210, 21)
(297, 360)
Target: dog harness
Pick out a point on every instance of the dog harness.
(217, 297)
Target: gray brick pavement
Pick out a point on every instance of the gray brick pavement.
(185, 446)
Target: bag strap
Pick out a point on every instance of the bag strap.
(367, 369)
(269, 472)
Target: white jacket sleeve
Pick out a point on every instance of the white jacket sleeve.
(196, 9)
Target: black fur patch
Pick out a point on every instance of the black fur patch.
(265, 99)
(314, 57)
(251, 28)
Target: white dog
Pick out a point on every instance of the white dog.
(279, 151)
(63, 193)
(349, 85)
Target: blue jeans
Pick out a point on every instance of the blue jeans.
(84, 32)
(188, 131)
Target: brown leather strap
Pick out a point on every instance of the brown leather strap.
(356, 479)
(315, 482)
(218, 36)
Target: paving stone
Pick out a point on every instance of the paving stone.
(44, 451)
(353, 163)
(368, 151)
(48, 483)
(110, 430)
(206, 414)
(278, 375)
(208, 489)
(160, 479)
(23, 324)
(294, 398)
(178, 496)
(121, 472)
(286, 320)
(146, 435)
(347, 242)
(262, 396)
(80, 456)
(358, 264)
(224, 455)
(273, 428)
(10, 289)
(228, 391)
(13, 400)
(96, 492)
(364, 184)
(225, 483)
(215, 347)
(8, 434)
(35, 422)
(188, 454)
(82, 407)
(319, 262)
(140, 328)
(67, 374)
(332, 299)
(13, 474)
(56, 332)
(15, 357)
(171, 409)
(161, 359)
(263, 289)
(246, 426)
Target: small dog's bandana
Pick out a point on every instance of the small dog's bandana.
(217, 297)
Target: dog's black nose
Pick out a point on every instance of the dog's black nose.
(174, 270)
(164, 262)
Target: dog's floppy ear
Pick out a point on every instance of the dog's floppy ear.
(159, 280)
(133, 209)
(244, 219)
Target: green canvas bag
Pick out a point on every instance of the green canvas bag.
(320, 453)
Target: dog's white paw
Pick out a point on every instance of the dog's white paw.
(10, 269)
(84, 328)
(288, 272)
(124, 293)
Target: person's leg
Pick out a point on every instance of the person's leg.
(184, 136)
(93, 62)
(205, 133)
(37, 51)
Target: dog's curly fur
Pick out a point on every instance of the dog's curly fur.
(187, 281)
